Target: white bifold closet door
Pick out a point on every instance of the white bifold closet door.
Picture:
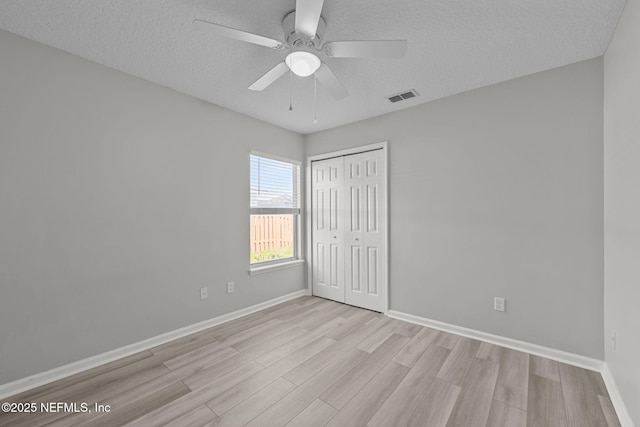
(349, 229)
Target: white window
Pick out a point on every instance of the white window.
(275, 210)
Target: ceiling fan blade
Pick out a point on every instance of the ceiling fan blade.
(367, 49)
(232, 33)
(307, 16)
(329, 80)
(271, 76)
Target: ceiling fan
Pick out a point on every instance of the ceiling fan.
(303, 29)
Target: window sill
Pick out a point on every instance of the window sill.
(273, 267)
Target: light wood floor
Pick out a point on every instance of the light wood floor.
(312, 362)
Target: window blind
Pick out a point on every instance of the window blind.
(275, 186)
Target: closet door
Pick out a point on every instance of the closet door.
(327, 229)
(365, 232)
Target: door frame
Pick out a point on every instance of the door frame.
(308, 211)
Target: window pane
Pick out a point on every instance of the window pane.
(272, 237)
(274, 183)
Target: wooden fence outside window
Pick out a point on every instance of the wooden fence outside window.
(271, 237)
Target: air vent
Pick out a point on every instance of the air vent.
(402, 96)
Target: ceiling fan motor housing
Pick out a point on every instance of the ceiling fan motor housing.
(300, 41)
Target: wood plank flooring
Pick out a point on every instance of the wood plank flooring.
(312, 362)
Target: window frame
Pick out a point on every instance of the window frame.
(263, 266)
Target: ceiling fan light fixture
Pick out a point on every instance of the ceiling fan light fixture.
(302, 63)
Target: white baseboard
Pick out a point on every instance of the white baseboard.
(55, 374)
(538, 350)
(616, 398)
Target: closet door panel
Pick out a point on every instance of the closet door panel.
(365, 267)
(327, 229)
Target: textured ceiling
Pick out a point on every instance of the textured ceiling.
(454, 46)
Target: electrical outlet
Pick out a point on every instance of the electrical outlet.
(498, 304)
(230, 287)
(204, 293)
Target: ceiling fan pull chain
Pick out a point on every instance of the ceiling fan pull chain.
(315, 98)
(290, 90)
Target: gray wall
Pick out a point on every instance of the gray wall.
(119, 200)
(498, 192)
(622, 206)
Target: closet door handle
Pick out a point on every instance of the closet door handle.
(356, 239)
